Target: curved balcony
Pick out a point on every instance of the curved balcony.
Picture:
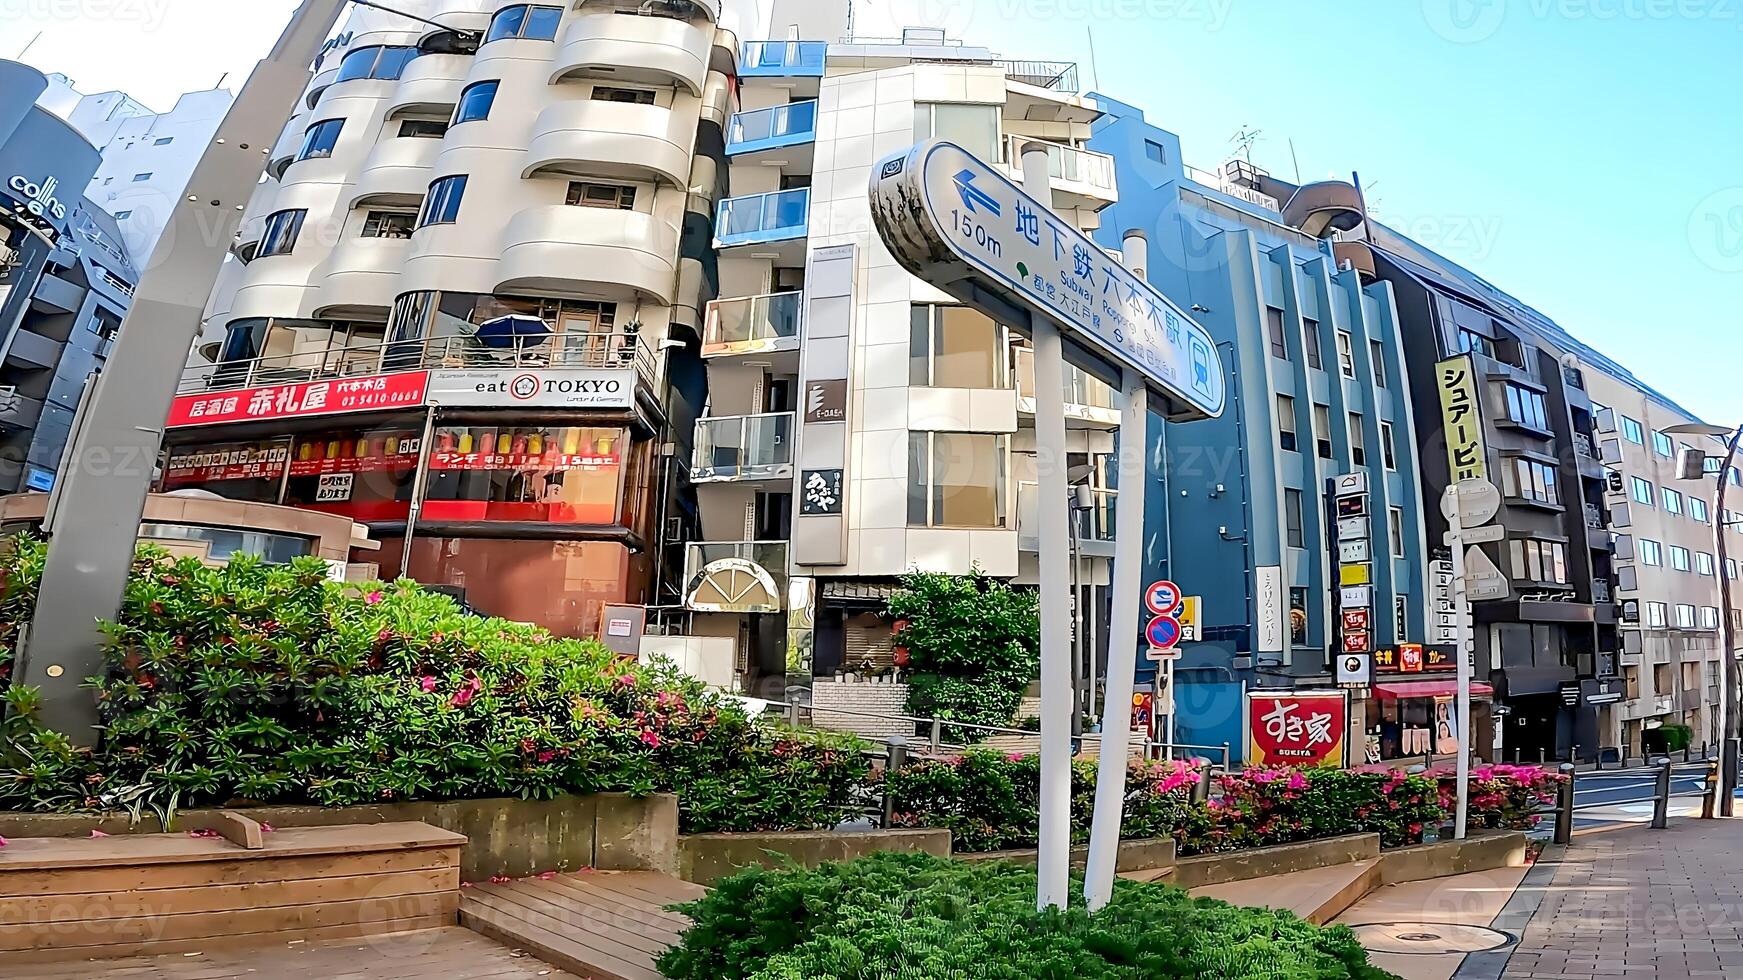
(558, 249)
(362, 277)
(649, 50)
(456, 16)
(323, 78)
(284, 152)
(430, 84)
(1318, 209)
(1359, 256)
(396, 172)
(1082, 179)
(718, 95)
(613, 139)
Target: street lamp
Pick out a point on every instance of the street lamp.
(1692, 465)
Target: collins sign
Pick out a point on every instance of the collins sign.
(964, 227)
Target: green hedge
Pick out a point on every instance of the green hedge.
(256, 683)
(915, 917)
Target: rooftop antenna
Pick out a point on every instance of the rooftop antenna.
(1094, 74)
(1243, 140)
(29, 44)
(1295, 160)
(221, 80)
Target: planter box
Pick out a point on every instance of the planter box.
(506, 837)
(1262, 862)
(1481, 852)
(1135, 856)
(706, 858)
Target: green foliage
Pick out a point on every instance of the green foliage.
(1504, 797)
(1677, 737)
(20, 574)
(916, 917)
(268, 683)
(973, 644)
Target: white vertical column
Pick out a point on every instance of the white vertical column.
(1462, 614)
(1116, 713)
(1054, 859)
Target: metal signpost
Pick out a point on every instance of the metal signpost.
(957, 223)
(1468, 503)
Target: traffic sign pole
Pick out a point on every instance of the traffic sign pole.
(1462, 628)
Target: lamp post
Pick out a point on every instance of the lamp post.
(1692, 466)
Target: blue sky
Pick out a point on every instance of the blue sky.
(1583, 155)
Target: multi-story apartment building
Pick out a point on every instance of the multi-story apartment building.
(65, 281)
(148, 157)
(462, 294)
(860, 423)
(1669, 578)
(1247, 517)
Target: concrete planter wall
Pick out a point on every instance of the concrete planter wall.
(1261, 862)
(1482, 852)
(507, 837)
(1135, 856)
(707, 858)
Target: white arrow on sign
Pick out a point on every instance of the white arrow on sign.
(1483, 581)
(1478, 503)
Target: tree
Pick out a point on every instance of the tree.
(973, 646)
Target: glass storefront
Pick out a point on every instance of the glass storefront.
(548, 474)
(234, 470)
(364, 474)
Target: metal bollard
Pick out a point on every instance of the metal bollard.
(793, 714)
(1201, 791)
(1564, 808)
(898, 747)
(1661, 798)
(1710, 802)
(937, 735)
(1542, 756)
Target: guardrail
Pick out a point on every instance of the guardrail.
(1663, 772)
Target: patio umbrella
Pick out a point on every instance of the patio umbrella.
(514, 330)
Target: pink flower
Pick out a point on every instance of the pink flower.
(465, 694)
(546, 756)
(650, 738)
(626, 680)
(374, 598)
(267, 828)
(547, 876)
(1014, 757)
(428, 684)
(2, 842)
(204, 834)
(98, 835)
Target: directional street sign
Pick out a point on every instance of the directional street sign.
(1483, 581)
(956, 222)
(1478, 503)
(1163, 598)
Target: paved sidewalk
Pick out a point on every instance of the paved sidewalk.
(1642, 904)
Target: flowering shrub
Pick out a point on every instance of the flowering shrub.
(1263, 807)
(270, 684)
(1505, 797)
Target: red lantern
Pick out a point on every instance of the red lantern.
(899, 656)
(898, 626)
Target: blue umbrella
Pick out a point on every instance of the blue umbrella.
(514, 330)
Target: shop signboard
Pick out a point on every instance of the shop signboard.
(301, 399)
(1297, 728)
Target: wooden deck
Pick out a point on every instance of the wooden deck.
(436, 954)
(597, 925)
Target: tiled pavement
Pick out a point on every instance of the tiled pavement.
(1641, 904)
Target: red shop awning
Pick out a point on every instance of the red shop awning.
(1400, 690)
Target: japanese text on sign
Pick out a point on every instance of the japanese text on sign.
(1463, 418)
(303, 398)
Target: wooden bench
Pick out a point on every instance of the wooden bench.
(174, 893)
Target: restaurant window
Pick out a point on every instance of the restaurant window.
(1310, 343)
(589, 194)
(363, 474)
(1274, 326)
(956, 479)
(529, 473)
(248, 471)
(1286, 438)
(1298, 619)
(524, 21)
(1292, 514)
(955, 347)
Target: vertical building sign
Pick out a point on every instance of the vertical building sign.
(1271, 611)
(1462, 416)
(826, 361)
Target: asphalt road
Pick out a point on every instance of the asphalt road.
(1626, 796)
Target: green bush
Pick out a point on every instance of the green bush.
(973, 645)
(20, 574)
(256, 683)
(922, 918)
(1677, 737)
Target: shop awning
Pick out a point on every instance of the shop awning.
(1399, 690)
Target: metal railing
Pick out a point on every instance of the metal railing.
(1060, 76)
(1094, 524)
(1066, 163)
(795, 122)
(743, 447)
(777, 58)
(752, 323)
(774, 216)
(1664, 774)
(630, 351)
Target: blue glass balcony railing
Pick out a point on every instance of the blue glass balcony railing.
(782, 59)
(777, 216)
(772, 128)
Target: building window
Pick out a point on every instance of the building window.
(525, 21)
(281, 233)
(586, 194)
(1395, 530)
(1685, 616)
(389, 224)
(475, 102)
(1661, 445)
(1632, 431)
(1388, 446)
(1274, 326)
(1377, 351)
(1286, 440)
(1640, 490)
(442, 203)
(1672, 502)
(163, 141)
(123, 215)
(1710, 621)
(975, 128)
(1527, 407)
(1292, 517)
(383, 62)
(1731, 569)
(955, 347)
(1346, 355)
(1471, 342)
(956, 479)
(1698, 510)
(1539, 561)
(1651, 553)
(1657, 615)
(1528, 479)
(532, 473)
(142, 178)
(1310, 341)
(1322, 430)
(1358, 445)
(319, 140)
(1156, 152)
(631, 96)
(1679, 558)
(423, 128)
(1704, 564)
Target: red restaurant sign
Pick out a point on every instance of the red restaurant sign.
(1291, 728)
(302, 399)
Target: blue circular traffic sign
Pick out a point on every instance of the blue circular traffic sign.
(1163, 598)
(1163, 633)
